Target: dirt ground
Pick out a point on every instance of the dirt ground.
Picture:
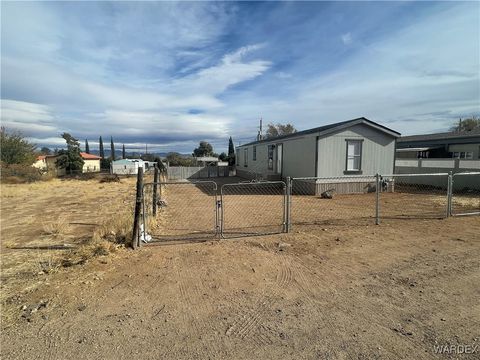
(324, 291)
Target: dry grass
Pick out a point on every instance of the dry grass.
(38, 219)
(57, 228)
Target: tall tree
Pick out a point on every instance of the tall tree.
(467, 125)
(87, 148)
(176, 159)
(102, 152)
(14, 149)
(280, 130)
(123, 152)
(204, 149)
(223, 156)
(112, 149)
(231, 152)
(70, 159)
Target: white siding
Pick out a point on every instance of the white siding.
(299, 154)
(378, 150)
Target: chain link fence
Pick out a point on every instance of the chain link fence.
(179, 210)
(413, 196)
(465, 194)
(336, 200)
(203, 210)
(253, 208)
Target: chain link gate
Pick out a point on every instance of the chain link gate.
(253, 208)
(179, 211)
(199, 211)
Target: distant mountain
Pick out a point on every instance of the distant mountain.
(129, 154)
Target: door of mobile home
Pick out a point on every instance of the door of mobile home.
(279, 158)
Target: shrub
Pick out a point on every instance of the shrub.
(19, 174)
(110, 178)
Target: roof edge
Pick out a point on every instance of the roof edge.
(326, 129)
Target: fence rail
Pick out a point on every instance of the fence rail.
(197, 172)
(202, 209)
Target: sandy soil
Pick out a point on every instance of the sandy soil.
(325, 291)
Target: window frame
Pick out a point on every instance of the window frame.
(254, 153)
(245, 157)
(353, 171)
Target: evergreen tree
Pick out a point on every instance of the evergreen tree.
(231, 152)
(102, 153)
(112, 149)
(123, 152)
(87, 148)
(70, 159)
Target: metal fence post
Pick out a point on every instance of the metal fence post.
(449, 194)
(155, 190)
(138, 210)
(377, 199)
(288, 204)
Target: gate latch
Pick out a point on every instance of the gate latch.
(219, 204)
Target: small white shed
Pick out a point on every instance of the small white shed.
(127, 166)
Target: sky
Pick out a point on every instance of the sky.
(169, 74)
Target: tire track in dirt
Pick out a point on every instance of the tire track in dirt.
(249, 322)
(314, 281)
(192, 296)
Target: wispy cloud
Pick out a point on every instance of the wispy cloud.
(170, 74)
(346, 38)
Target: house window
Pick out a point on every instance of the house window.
(462, 155)
(254, 153)
(245, 157)
(354, 156)
(270, 156)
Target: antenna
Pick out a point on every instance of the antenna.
(260, 134)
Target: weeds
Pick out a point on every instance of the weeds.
(58, 228)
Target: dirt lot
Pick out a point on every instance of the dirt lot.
(328, 291)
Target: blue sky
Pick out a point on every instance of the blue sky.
(171, 74)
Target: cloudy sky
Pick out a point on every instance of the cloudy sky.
(171, 74)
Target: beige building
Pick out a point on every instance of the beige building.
(354, 147)
(41, 163)
(92, 162)
(48, 163)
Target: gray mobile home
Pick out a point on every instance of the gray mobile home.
(353, 147)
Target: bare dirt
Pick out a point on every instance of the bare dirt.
(323, 291)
